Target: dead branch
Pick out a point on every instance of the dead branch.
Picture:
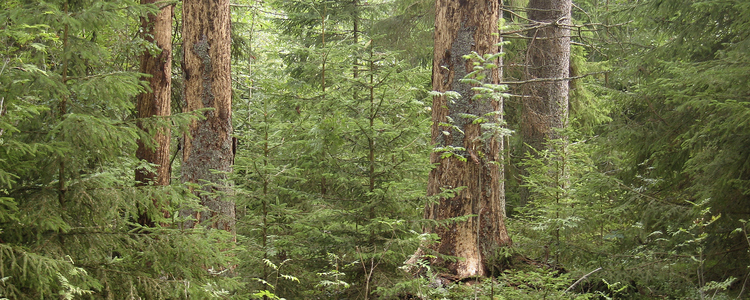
(552, 79)
(581, 279)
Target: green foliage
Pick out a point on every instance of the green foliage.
(682, 104)
(427, 286)
(580, 218)
(574, 207)
(512, 284)
(66, 167)
(332, 152)
(534, 285)
(331, 111)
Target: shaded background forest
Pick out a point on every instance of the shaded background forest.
(331, 115)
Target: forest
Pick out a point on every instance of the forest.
(374, 149)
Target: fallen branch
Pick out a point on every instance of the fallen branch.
(581, 279)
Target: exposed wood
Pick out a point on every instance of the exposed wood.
(460, 28)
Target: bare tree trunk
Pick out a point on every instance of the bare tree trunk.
(460, 28)
(208, 153)
(157, 29)
(548, 57)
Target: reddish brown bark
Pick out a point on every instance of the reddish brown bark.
(207, 153)
(157, 29)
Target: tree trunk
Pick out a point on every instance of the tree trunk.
(546, 108)
(548, 58)
(208, 153)
(460, 28)
(156, 29)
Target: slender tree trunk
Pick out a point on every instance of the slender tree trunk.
(503, 142)
(548, 58)
(157, 29)
(208, 153)
(323, 17)
(460, 28)
(64, 107)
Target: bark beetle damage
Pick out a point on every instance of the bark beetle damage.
(201, 49)
(207, 153)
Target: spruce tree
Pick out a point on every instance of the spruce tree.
(69, 138)
(682, 103)
(344, 167)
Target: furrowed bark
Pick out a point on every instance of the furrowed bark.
(157, 28)
(207, 151)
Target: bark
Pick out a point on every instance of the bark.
(207, 153)
(548, 58)
(460, 28)
(546, 108)
(156, 29)
(64, 107)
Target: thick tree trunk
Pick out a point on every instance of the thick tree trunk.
(157, 29)
(546, 108)
(460, 28)
(208, 153)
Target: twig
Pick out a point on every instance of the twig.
(2, 110)
(551, 79)
(581, 279)
(583, 11)
(259, 9)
